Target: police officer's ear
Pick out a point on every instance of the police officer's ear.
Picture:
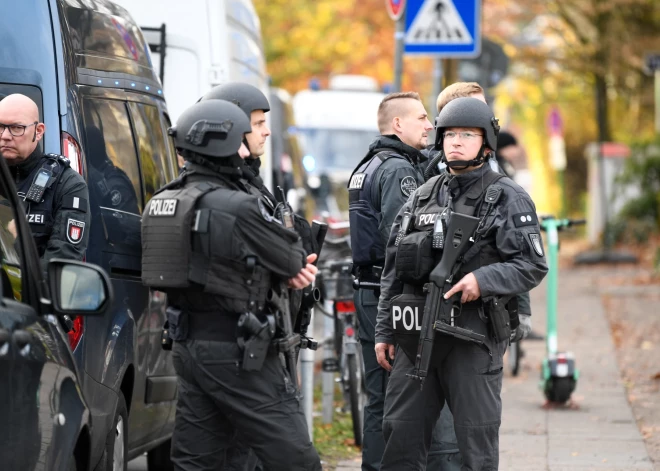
(39, 131)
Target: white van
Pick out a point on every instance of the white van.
(198, 44)
(335, 127)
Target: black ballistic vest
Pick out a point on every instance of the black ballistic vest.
(407, 309)
(366, 243)
(178, 251)
(41, 215)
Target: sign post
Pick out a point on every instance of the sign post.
(558, 151)
(396, 10)
(652, 67)
(443, 29)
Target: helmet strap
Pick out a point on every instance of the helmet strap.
(463, 164)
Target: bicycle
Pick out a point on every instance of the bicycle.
(336, 283)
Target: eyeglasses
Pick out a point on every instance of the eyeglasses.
(465, 136)
(16, 130)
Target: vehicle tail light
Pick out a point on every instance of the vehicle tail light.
(72, 151)
(349, 331)
(345, 306)
(75, 334)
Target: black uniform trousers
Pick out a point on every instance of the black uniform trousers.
(465, 376)
(443, 454)
(219, 403)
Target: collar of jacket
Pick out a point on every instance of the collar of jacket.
(458, 184)
(392, 141)
(22, 169)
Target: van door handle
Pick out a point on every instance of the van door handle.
(5, 337)
(22, 339)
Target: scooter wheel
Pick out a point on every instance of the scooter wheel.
(559, 390)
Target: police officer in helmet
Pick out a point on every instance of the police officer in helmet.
(507, 258)
(234, 252)
(255, 105)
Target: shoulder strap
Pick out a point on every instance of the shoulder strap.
(469, 202)
(381, 154)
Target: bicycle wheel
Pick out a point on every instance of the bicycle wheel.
(356, 397)
(514, 358)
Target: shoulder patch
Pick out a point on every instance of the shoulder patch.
(408, 185)
(537, 243)
(525, 219)
(74, 231)
(357, 181)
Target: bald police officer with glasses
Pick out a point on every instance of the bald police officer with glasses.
(55, 196)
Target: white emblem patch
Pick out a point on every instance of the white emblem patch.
(408, 185)
(116, 197)
(537, 244)
(357, 181)
(74, 231)
(406, 318)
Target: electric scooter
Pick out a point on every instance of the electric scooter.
(558, 375)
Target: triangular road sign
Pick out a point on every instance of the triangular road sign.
(437, 21)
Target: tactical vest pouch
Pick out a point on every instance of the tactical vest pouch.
(166, 236)
(415, 258)
(500, 324)
(407, 311)
(366, 243)
(178, 324)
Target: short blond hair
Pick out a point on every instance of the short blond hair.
(458, 90)
(389, 108)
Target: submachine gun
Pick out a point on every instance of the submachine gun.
(289, 341)
(438, 311)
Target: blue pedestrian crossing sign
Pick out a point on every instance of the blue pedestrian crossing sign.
(447, 28)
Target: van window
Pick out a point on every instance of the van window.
(30, 91)
(171, 148)
(154, 156)
(112, 165)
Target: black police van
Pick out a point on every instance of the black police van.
(87, 66)
(45, 419)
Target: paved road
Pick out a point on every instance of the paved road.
(598, 432)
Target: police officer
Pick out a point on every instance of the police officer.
(508, 259)
(255, 105)
(378, 187)
(234, 252)
(472, 89)
(55, 196)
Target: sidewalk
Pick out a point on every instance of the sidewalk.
(599, 432)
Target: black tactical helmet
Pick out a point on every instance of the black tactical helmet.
(213, 129)
(468, 113)
(248, 97)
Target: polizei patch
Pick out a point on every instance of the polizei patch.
(408, 185)
(426, 219)
(537, 243)
(357, 181)
(74, 231)
(164, 207)
(36, 218)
